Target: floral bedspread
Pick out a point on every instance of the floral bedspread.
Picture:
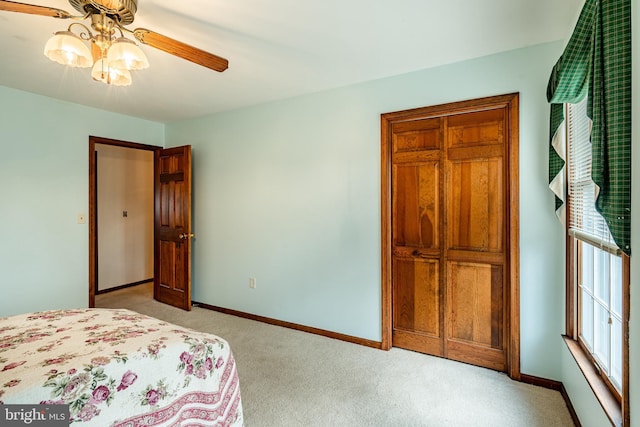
(118, 368)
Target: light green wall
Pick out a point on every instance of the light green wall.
(289, 192)
(582, 398)
(44, 254)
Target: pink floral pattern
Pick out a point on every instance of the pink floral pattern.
(152, 395)
(118, 367)
(128, 378)
(54, 314)
(198, 360)
(13, 365)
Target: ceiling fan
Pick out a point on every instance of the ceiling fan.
(111, 57)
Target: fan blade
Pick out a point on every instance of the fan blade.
(181, 50)
(14, 6)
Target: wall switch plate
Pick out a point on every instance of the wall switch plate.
(252, 282)
(82, 218)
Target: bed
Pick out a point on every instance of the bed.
(116, 367)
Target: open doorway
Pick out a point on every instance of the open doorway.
(121, 197)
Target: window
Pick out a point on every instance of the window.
(598, 279)
(600, 302)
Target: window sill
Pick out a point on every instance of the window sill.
(607, 400)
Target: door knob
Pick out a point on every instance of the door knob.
(186, 236)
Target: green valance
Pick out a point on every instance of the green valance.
(597, 62)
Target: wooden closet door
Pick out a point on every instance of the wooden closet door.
(417, 234)
(450, 231)
(476, 227)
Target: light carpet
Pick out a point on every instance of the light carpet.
(292, 378)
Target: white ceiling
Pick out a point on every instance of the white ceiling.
(278, 48)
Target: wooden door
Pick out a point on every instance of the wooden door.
(417, 235)
(172, 275)
(448, 225)
(476, 230)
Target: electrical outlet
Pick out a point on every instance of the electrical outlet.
(252, 282)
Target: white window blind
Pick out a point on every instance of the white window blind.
(585, 223)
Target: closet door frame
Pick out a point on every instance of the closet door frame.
(511, 103)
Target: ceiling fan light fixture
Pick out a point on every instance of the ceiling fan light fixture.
(67, 48)
(126, 55)
(114, 56)
(104, 73)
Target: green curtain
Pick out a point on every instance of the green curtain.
(597, 61)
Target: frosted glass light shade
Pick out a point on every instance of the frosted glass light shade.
(126, 55)
(66, 48)
(110, 75)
